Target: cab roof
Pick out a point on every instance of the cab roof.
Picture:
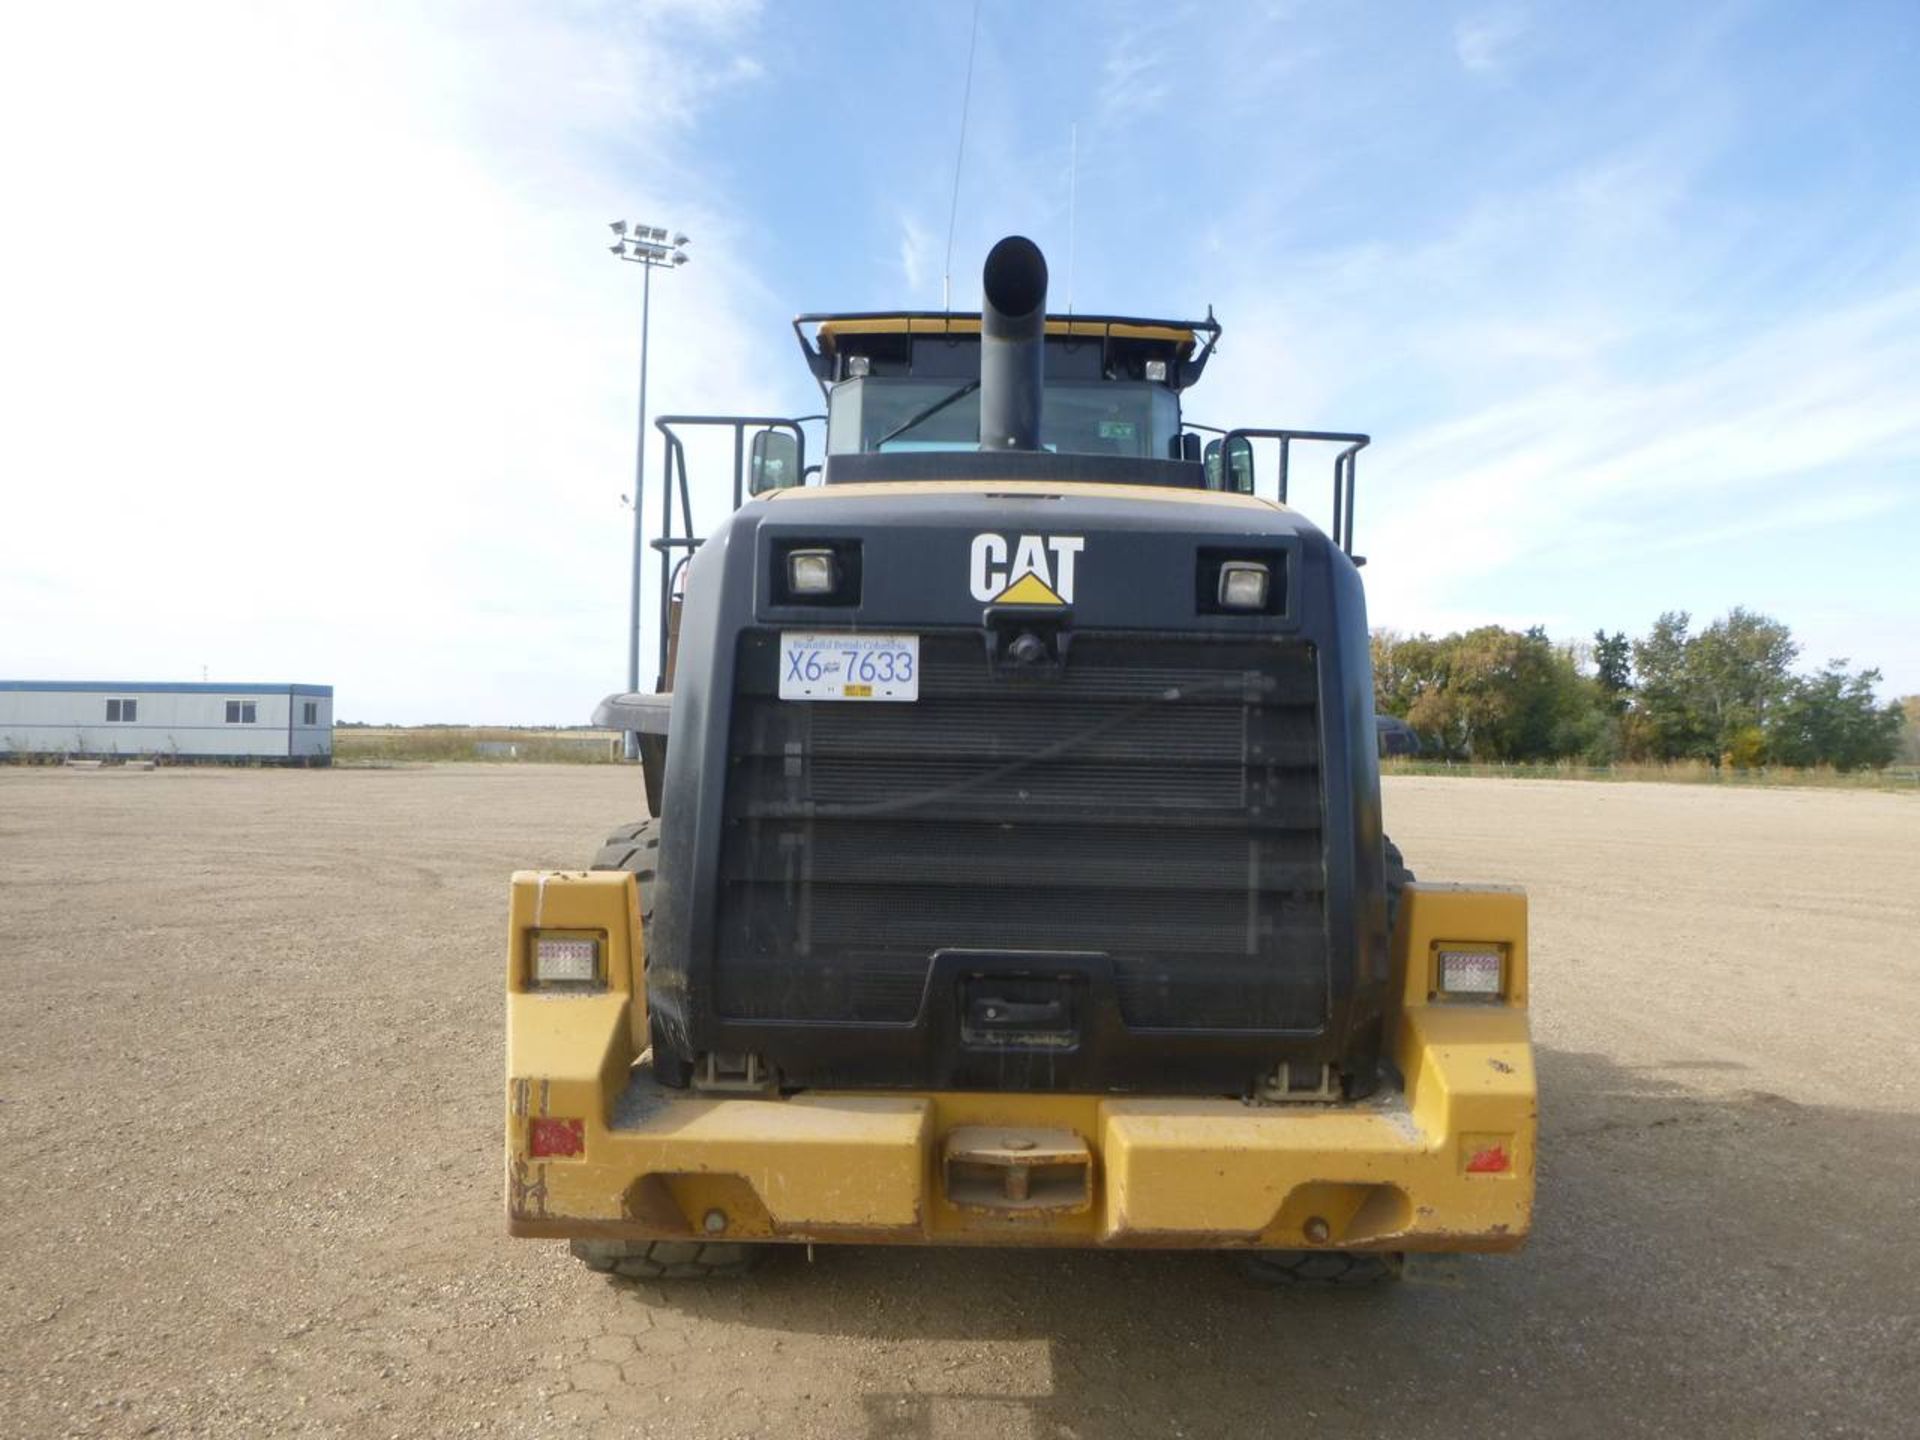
(1126, 342)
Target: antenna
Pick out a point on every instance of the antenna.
(960, 153)
(1073, 203)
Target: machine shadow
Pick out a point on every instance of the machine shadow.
(1634, 1254)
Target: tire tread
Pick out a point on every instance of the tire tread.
(1333, 1268)
(666, 1259)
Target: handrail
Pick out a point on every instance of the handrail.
(1346, 468)
(674, 463)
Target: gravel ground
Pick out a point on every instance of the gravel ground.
(250, 1105)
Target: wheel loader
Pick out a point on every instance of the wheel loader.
(1014, 873)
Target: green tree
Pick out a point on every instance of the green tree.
(1711, 695)
(1832, 718)
(1488, 694)
(1612, 664)
(1404, 668)
(1742, 670)
(1667, 720)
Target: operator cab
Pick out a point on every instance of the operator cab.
(907, 384)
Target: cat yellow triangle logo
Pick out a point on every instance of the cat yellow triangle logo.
(1028, 590)
(1024, 569)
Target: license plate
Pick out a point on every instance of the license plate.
(849, 667)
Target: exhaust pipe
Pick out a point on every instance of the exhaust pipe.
(1013, 323)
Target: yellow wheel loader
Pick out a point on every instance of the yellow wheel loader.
(1018, 876)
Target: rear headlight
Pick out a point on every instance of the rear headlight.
(1243, 585)
(566, 960)
(1471, 974)
(812, 572)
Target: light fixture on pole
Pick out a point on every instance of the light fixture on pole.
(648, 247)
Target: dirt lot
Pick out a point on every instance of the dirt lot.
(250, 1102)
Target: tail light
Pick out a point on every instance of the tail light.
(552, 1139)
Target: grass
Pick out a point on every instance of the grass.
(394, 745)
(1680, 772)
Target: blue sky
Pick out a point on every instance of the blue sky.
(323, 371)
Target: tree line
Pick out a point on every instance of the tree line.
(1727, 694)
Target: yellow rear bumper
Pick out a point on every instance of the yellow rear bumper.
(1443, 1162)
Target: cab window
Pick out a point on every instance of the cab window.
(1077, 417)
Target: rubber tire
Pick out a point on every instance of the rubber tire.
(1398, 878)
(635, 848)
(1342, 1268)
(1345, 1269)
(666, 1259)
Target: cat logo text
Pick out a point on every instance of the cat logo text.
(1025, 569)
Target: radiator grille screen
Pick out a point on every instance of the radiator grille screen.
(1159, 803)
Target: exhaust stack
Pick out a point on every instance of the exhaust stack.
(1013, 322)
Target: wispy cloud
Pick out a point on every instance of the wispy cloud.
(918, 255)
(1136, 79)
(1486, 41)
(331, 351)
(1805, 426)
(1593, 371)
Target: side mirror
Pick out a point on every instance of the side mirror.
(1240, 464)
(1238, 471)
(773, 462)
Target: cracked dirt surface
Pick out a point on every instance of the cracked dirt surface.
(250, 1102)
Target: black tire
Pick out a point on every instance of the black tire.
(1344, 1269)
(1398, 878)
(666, 1259)
(634, 848)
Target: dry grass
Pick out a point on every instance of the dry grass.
(1679, 772)
(392, 745)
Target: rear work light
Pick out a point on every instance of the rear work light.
(812, 572)
(566, 960)
(1243, 585)
(1470, 974)
(815, 571)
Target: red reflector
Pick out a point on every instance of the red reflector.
(1488, 1160)
(547, 1137)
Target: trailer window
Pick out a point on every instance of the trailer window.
(310, 713)
(241, 712)
(122, 712)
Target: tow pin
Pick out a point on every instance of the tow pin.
(1028, 649)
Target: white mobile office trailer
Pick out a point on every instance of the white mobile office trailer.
(273, 724)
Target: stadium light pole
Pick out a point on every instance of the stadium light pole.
(649, 247)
